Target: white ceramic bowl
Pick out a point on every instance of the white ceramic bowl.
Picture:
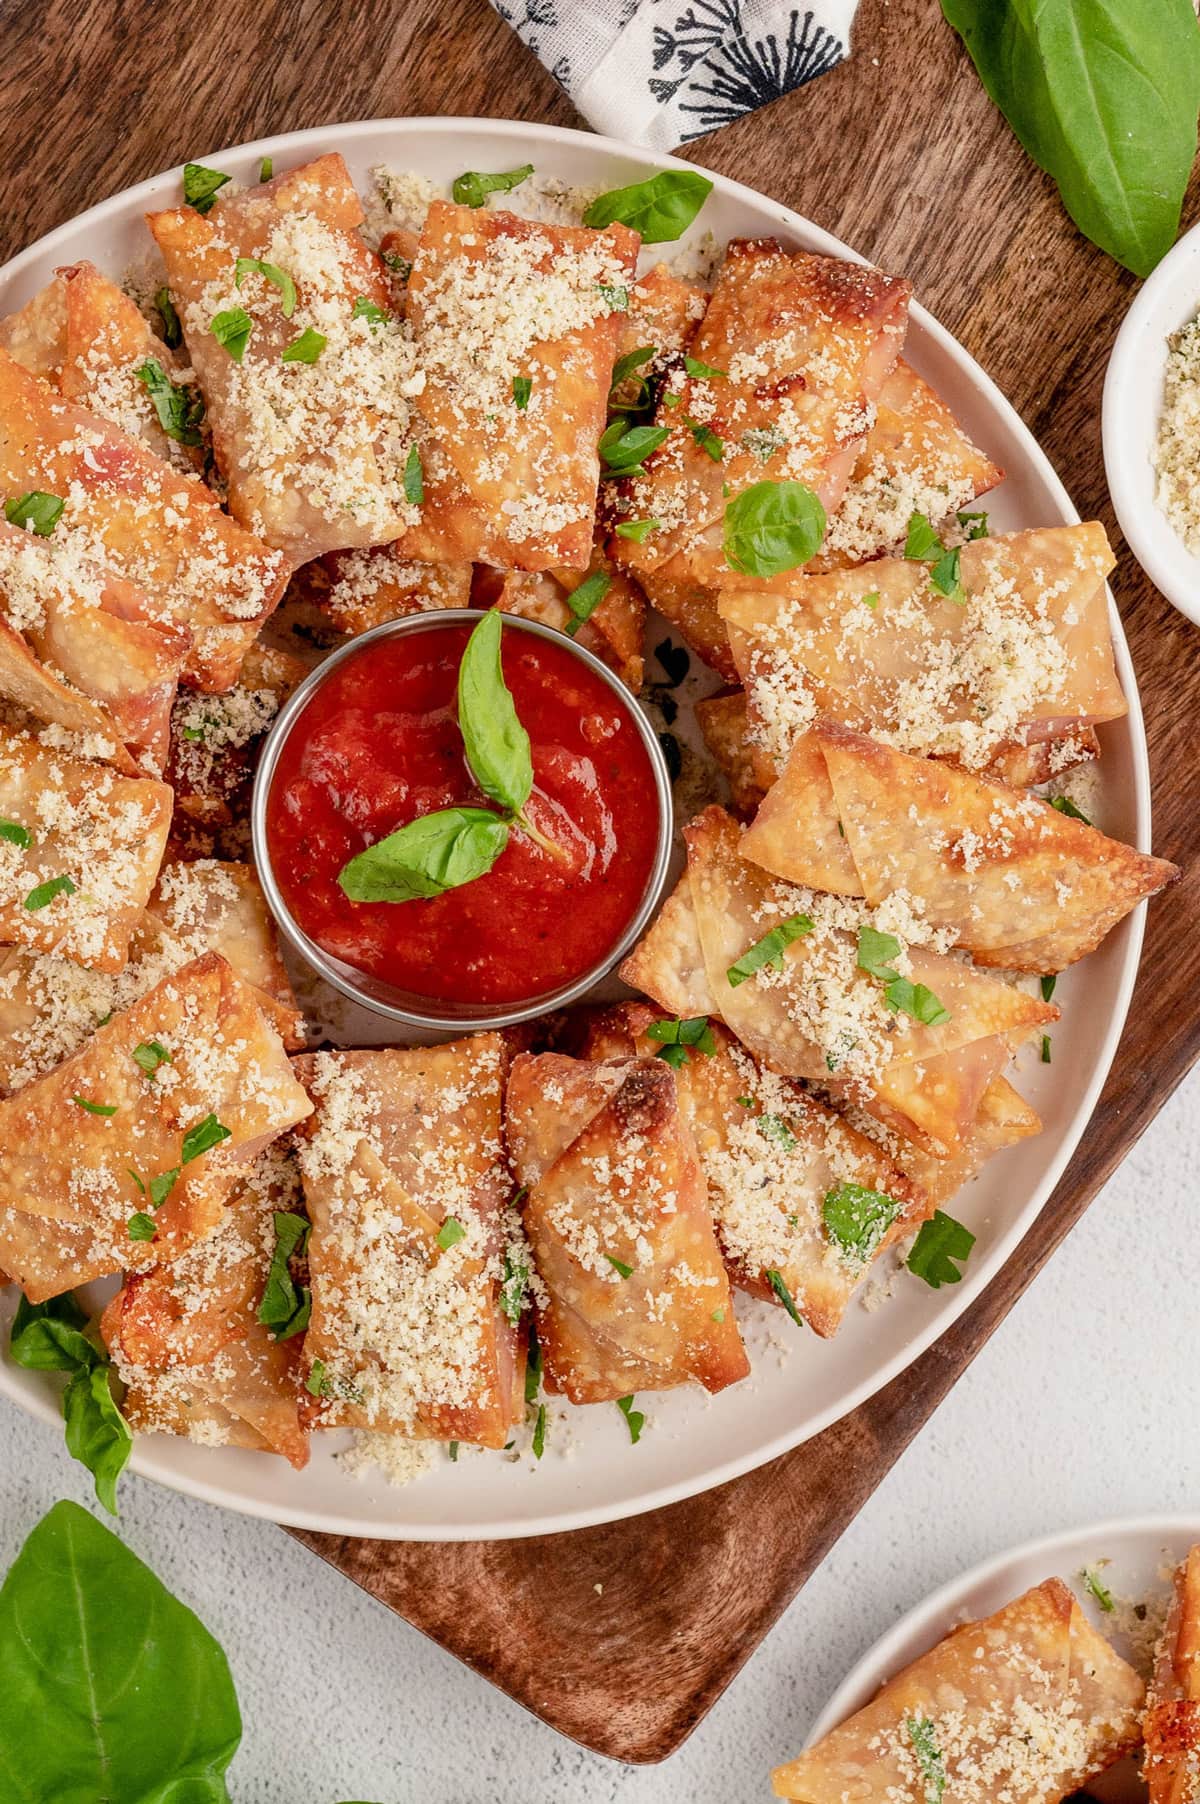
(591, 1473)
(1133, 392)
(1133, 1558)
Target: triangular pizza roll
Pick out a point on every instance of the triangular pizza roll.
(633, 1294)
(1171, 1726)
(209, 905)
(1022, 656)
(405, 1181)
(1004, 1119)
(801, 1202)
(802, 345)
(1022, 884)
(164, 532)
(80, 847)
(83, 335)
(186, 1339)
(307, 375)
(722, 720)
(123, 1156)
(916, 1042)
(1026, 1704)
(516, 326)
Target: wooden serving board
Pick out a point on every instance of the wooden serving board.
(900, 153)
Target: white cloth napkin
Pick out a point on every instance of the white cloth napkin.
(658, 72)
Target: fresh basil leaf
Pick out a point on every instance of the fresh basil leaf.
(141, 1226)
(704, 372)
(414, 477)
(946, 576)
(97, 1434)
(923, 1737)
(776, 1281)
(1066, 806)
(16, 834)
(179, 409)
(857, 1218)
(161, 1186)
(635, 1419)
(400, 266)
(514, 1282)
(877, 952)
(200, 185)
(497, 745)
(769, 950)
(149, 1055)
(533, 1367)
(270, 272)
(368, 310)
(450, 1233)
(1103, 95)
(619, 1266)
(202, 1136)
(44, 893)
(921, 542)
(172, 330)
(305, 349)
(49, 1337)
(661, 208)
(231, 327)
(522, 388)
(977, 524)
(1048, 984)
(537, 1444)
(625, 372)
(585, 598)
(429, 856)
(472, 188)
(315, 1384)
(35, 512)
(870, 600)
(452, 1452)
(112, 1689)
(266, 169)
(95, 1108)
(772, 527)
(940, 1242)
(676, 1036)
(285, 1308)
(623, 447)
(638, 530)
(915, 999)
(616, 295)
(707, 440)
(1045, 1049)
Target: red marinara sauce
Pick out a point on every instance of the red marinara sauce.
(379, 744)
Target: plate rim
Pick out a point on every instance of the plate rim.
(331, 137)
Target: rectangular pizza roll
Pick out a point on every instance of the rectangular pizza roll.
(633, 1293)
(798, 348)
(801, 1202)
(79, 851)
(307, 374)
(362, 589)
(722, 720)
(124, 1155)
(186, 1338)
(1028, 1704)
(1013, 650)
(1171, 1726)
(859, 1002)
(614, 629)
(516, 328)
(83, 335)
(408, 1192)
(1020, 883)
(162, 531)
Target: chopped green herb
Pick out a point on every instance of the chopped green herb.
(707, 439)
(472, 188)
(622, 447)
(1099, 1591)
(775, 1280)
(630, 392)
(305, 349)
(978, 524)
(1048, 984)
(586, 598)
(149, 1055)
(172, 330)
(857, 1219)
(638, 530)
(1066, 806)
(718, 1316)
(200, 185)
(513, 1284)
(946, 577)
(941, 1241)
(774, 1127)
(232, 328)
(44, 894)
(400, 266)
(35, 511)
(452, 1451)
(1045, 1049)
(704, 372)
(876, 951)
(769, 950)
(270, 272)
(179, 409)
(929, 1757)
(676, 1036)
(266, 169)
(538, 1443)
(635, 1419)
(745, 1102)
(161, 1186)
(202, 1137)
(616, 294)
(522, 388)
(763, 442)
(619, 1266)
(921, 542)
(450, 1233)
(285, 1308)
(368, 310)
(533, 1367)
(16, 834)
(141, 1226)
(414, 477)
(871, 600)
(95, 1108)
(315, 1383)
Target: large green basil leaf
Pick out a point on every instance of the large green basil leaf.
(430, 855)
(49, 1337)
(1104, 95)
(660, 208)
(113, 1692)
(772, 527)
(97, 1434)
(497, 744)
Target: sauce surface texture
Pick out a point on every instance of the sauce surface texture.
(379, 744)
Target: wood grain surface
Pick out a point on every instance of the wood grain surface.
(900, 153)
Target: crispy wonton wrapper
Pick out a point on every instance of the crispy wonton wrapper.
(614, 631)
(187, 1342)
(722, 720)
(772, 1157)
(1171, 1726)
(67, 1189)
(1023, 885)
(404, 1176)
(362, 589)
(818, 1015)
(1025, 1704)
(636, 1296)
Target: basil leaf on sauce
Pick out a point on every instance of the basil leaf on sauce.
(497, 745)
(661, 208)
(772, 527)
(430, 855)
(472, 188)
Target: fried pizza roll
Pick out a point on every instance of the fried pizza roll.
(820, 987)
(124, 1155)
(361, 589)
(80, 848)
(1026, 1704)
(307, 374)
(801, 1202)
(614, 627)
(1171, 1725)
(163, 532)
(795, 350)
(722, 720)
(516, 326)
(1021, 884)
(634, 1295)
(1010, 649)
(189, 1339)
(406, 1185)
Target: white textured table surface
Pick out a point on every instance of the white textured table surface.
(1083, 1406)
